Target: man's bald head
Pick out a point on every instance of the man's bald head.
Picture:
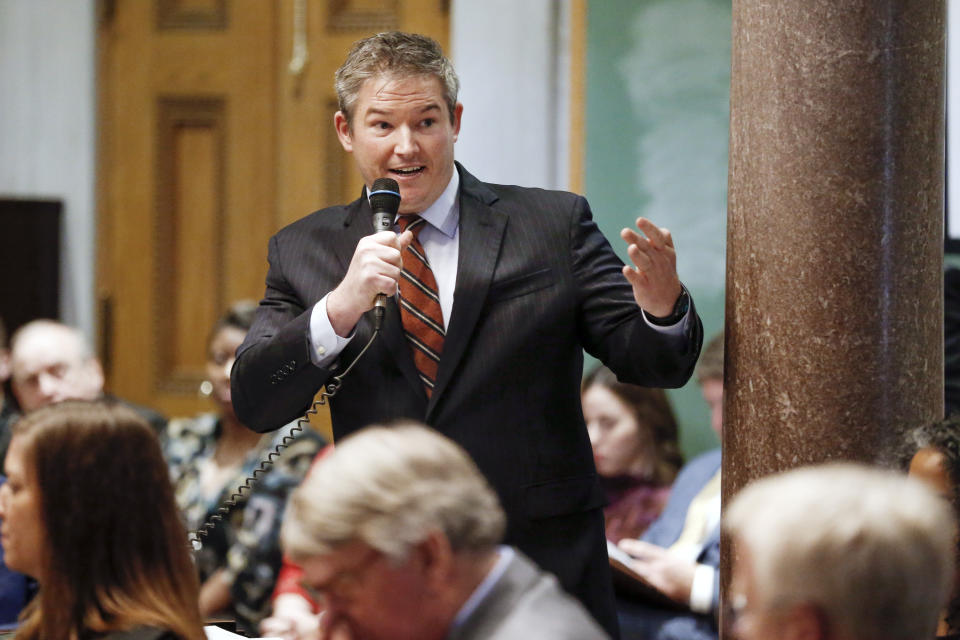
(51, 362)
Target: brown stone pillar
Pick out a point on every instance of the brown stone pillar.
(834, 258)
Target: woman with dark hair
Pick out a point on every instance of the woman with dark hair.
(89, 512)
(634, 437)
(210, 456)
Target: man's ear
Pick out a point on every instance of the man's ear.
(94, 371)
(437, 557)
(343, 131)
(457, 114)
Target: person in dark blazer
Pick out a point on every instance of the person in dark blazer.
(525, 281)
(398, 531)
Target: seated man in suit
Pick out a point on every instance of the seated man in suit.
(51, 362)
(838, 552)
(397, 530)
(680, 552)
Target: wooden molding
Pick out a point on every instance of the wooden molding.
(189, 227)
(364, 15)
(180, 14)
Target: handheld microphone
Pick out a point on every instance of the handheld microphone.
(385, 202)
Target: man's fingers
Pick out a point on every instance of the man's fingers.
(405, 239)
(653, 233)
(635, 277)
(637, 548)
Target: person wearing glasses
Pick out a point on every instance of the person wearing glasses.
(397, 533)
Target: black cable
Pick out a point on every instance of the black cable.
(195, 538)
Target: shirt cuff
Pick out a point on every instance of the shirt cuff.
(701, 591)
(677, 329)
(325, 344)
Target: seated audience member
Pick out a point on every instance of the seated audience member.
(838, 552)
(933, 455)
(397, 530)
(15, 589)
(295, 612)
(634, 438)
(951, 340)
(51, 362)
(88, 511)
(210, 456)
(680, 552)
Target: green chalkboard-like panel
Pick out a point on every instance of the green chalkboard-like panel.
(657, 116)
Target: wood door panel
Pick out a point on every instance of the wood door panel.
(188, 242)
(208, 144)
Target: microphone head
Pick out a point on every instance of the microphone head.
(385, 195)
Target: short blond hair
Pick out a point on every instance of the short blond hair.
(870, 548)
(390, 486)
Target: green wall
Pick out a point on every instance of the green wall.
(657, 113)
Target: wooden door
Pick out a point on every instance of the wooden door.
(215, 129)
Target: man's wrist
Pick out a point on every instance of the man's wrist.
(680, 308)
(342, 318)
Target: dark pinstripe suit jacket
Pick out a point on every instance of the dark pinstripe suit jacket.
(536, 284)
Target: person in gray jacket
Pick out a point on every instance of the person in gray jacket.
(398, 531)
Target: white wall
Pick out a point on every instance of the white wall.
(513, 61)
(47, 112)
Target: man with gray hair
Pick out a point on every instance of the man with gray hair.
(838, 552)
(397, 530)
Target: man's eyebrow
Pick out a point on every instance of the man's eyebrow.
(375, 111)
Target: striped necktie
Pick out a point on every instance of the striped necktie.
(420, 305)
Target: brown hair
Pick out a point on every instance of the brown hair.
(710, 366)
(398, 55)
(116, 554)
(652, 410)
(239, 315)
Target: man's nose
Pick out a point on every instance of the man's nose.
(406, 143)
(47, 383)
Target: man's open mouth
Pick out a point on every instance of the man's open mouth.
(408, 171)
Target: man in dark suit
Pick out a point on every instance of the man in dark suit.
(524, 282)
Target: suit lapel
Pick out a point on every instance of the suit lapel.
(481, 234)
(357, 223)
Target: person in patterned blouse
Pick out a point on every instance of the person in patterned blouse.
(210, 456)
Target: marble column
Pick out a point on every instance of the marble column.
(834, 310)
